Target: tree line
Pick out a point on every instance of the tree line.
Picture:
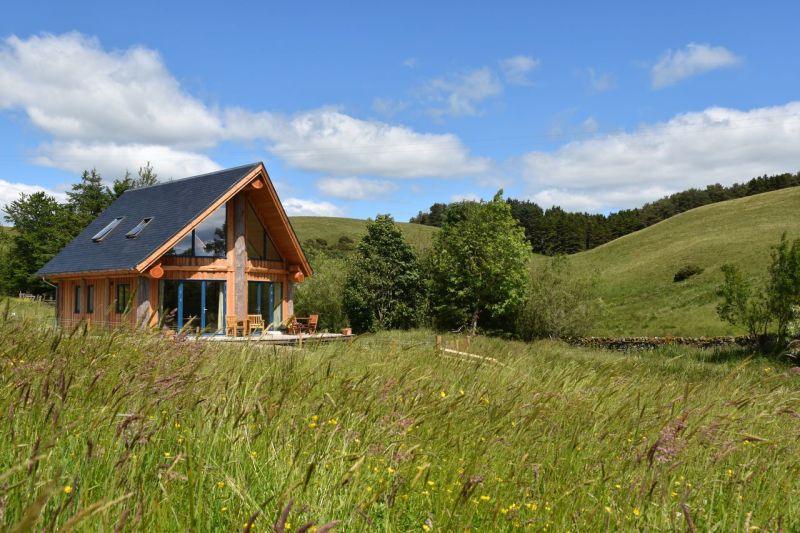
(554, 231)
(42, 225)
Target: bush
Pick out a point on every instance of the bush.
(322, 293)
(687, 272)
(558, 303)
(768, 309)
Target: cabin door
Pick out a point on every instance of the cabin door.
(266, 299)
(193, 304)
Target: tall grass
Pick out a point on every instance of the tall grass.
(123, 431)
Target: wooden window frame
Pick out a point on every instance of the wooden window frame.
(122, 300)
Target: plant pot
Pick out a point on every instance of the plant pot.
(347, 331)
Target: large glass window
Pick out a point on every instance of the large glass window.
(259, 245)
(208, 239)
(197, 304)
(266, 299)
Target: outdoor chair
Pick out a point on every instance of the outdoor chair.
(306, 324)
(254, 322)
(233, 326)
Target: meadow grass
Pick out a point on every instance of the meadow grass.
(133, 432)
(331, 229)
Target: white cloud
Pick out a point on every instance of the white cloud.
(355, 188)
(388, 106)
(600, 81)
(590, 125)
(459, 94)
(466, 197)
(328, 141)
(300, 207)
(595, 200)
(112, 160)
(118, 109)
(10, 191)
(73, 89)
(516, 69)
(690, 150)
(410, 62)
(692, 60)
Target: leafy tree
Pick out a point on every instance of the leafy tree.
(42, 227)
(558, 303)
(769, 308)
(322, 293)
(478, 266)
(89, 197)
(384, 288)
(146, 177)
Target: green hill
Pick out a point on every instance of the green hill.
(331, 229)
(635, 271)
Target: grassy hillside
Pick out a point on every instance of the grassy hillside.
(331, 229)
(635, 271)
(382, 435)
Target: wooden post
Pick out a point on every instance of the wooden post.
(239, 258)
(438, 343)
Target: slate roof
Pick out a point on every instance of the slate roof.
(172, 205)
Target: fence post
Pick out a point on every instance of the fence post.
(438, 343)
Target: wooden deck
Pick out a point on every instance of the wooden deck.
(278, 338)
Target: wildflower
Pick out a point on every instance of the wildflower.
(442, 395)
(425, 493)
(608, 509)
(369, 489)
(486, 498)
(426, 527)
(314, 418)
(177, 425)
(224, 509)
(431, 483)
(180, 440)
(532, 506)
(312, 425)
(730, 472)
(636, 512)
(461, 392)
(253, 454)
(287, 526)
(67, 489)
(220, 484)
(674, 494)
(332, 422)
(391, 470)
(167, 455)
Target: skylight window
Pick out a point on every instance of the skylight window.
(103, 233)
(137, 229)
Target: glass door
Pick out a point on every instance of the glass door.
(197, 304)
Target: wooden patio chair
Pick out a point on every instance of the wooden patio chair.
(233, 326)
(311, 327)
(254, 322)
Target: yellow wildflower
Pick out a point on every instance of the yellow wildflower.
(442, 394)
(426, 527)
(224, 509)
(314, 418)
(391, 470)
(167, 455)
(636, 512)
(220, 484)
(332, 422)
(485, 498)
(730, 472)
(253, 454)
(312, 425)
(608, 509)
(67, 489)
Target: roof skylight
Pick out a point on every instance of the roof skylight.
(103, 233)
(137, 229)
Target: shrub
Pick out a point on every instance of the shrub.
(687, 272)
(558, 303)
(322, 293)
(768, 309)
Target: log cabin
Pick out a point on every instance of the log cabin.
(184, 253)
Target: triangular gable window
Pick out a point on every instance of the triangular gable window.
(207, 239)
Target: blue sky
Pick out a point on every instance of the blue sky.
(365, 108)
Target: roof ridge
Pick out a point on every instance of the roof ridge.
(193, 177)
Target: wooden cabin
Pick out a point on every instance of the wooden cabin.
(185, 253)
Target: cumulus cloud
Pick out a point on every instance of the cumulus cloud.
(73, 89)
(10, 191)
(329, 141)
(459, 94)
(465, 197)
(690, 150)
(355, 188)
(118, 109)
(300, 207)
(694, 59)
(115, 159)
(516, 69)
(600, 81)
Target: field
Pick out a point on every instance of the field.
(105, 431)
(331, 229)
(634, 272)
